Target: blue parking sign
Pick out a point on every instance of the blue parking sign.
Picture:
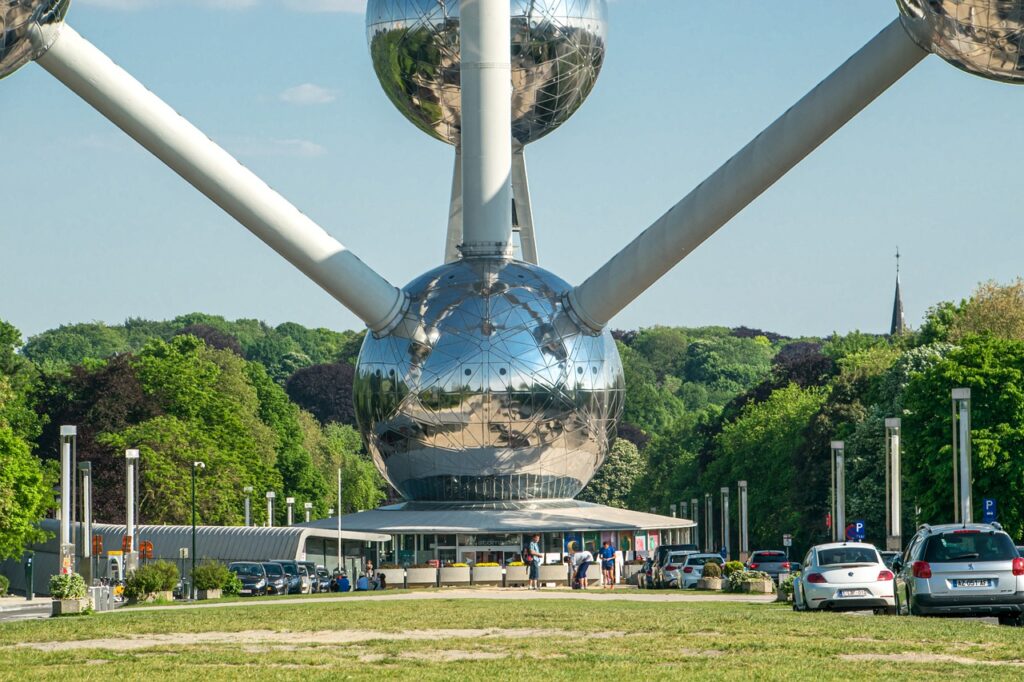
(988, 510)
(858, 530)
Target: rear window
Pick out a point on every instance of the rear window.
(847, 555)
(949, 547)
(769, 557)
(701, 560)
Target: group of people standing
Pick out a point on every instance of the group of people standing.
(579, 559)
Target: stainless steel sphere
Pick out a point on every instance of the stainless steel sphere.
(16, 18)
(982, 37)
(557, 51)
(498, 396)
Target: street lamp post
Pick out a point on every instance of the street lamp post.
(744, 521)
(308, 506)
(964, 509)
(270, 508)
(131, 458)
(725, 521)
(248, 505)
(290, 501)
(893, 486)
(87, 559)
(695, 510)
(838, 490)
(192, 581)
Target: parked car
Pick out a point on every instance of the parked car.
(672, 571)
(795, 566)
(969, 569)
(291, 570)
(314, 579)
(325, 578)
(888, 558)
(253, 577)
(844, 576)
(770, 561)
(277, 581)
(645, 577)
(693, 569)
(660, 557)
(306, 581)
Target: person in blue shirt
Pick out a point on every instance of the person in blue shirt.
(607, 555)
(343, 584)
(533, 560)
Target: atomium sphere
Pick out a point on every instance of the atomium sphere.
(16, 18)
(982, 37)
(557, 50)
(497, 395)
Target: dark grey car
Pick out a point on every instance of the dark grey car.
(961, 570)
(771, 561)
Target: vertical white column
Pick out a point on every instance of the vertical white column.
(339, 517)
(308, 506)
(695, 508)
(725, 521)
(131, 458)
(486, 138)
(66, 550)
(709, 523)
(839, 521)
(248, 505)
(270, 508)
(962, 454)
(744, 523)
(893, 486)
(290, 501)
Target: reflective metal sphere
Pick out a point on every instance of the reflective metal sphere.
(498, 396)
(16, 17)
(557, 51)
(982, 37)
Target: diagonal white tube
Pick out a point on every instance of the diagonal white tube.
(486, 135)
(202, 163)
(755, 168)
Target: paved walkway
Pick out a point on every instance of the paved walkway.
(660, 596)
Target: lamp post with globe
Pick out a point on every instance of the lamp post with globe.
(192, 583)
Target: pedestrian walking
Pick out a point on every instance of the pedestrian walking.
(607, 554)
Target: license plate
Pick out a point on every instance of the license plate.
(974, 583)
(852, 593)
(245, 592)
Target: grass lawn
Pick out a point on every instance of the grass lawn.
(505, 639)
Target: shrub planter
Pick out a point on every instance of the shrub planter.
(394, 577)
(65, 607)
(710, 583)
(759, 587)
(454, 575)
(517, 575)
(421, 577)
(487, 575)
(554, 573)
(203, 595)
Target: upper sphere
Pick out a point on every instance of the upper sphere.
(557, 50)
(982, 37)
(490, 391)
(16, 18)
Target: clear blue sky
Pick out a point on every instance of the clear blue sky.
(92, 228)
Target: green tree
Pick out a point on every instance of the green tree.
(615, 479)
(25, 494)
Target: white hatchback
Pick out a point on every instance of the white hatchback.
(844, 576)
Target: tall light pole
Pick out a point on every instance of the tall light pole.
(695, 508)
(248, 505)
(684, 512)
(340, 508)
(964, 508)
(68, 435)
(725, 520)
(744, 538)
(893, 487)
(672, 534)
(308, 506)
(838, 490)
(131, 459)
(270, 508)
(290, 501)
(86, 470)
(709, 523)
(192, 581)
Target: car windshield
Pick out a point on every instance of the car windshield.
(274, 570)
(769, 557)
(303, 571)
(847, 555)
(246, 569)
(289, 567)
(969, 546)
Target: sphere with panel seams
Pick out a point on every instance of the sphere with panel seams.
(983, 37)
(558, 48)
(488, 390)
(17, 19)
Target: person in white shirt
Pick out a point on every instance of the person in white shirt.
(581, 561)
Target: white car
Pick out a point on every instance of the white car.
(672, 572)
(844, 576)
(693, 569)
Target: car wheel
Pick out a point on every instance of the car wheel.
(1012, 620)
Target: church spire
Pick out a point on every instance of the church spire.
(899, 322)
